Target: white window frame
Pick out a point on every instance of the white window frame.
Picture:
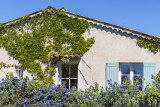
(131, 72)
(19, 72)
(60, 74)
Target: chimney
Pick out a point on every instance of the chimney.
(63, 9)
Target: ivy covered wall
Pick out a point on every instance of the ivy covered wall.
(151, 43)
(34, 39)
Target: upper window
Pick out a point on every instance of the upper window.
(132, 72)
(70, 75)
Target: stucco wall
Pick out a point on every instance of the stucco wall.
(4, 57)
(110, 46)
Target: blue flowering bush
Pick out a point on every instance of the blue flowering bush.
(115, 95)
(21, 93)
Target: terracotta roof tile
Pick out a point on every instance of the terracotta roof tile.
(69, 56)
(105, 23)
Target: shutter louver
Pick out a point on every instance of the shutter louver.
(149, 70)
(111, 72)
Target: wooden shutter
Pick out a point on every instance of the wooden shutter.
(149, 69)
(111, 72)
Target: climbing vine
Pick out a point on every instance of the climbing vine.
(34, 39)
(151, 43)
(2, 64)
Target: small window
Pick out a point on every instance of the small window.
(69, 75)
(19, 72)
(132, 72)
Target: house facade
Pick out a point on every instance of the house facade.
(114, 56)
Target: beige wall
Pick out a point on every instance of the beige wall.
(110, 46)
(4, 57)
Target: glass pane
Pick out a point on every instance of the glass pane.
(20, 73)
(65, 71)
(74, 71)
(125, 69)
(137, 69)
(65, 82)
(123, 78)
(73, 83)
(140, 87)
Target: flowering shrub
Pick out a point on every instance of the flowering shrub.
(21, 93)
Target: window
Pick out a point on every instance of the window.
(132, 72)
(69, 75)
(19, 72)
(118, 72)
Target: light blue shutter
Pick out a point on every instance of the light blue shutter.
(149, 70)
(111, 72)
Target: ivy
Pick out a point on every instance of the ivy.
(34, 39)
(2, 64)
(1, 25)
(151, 43)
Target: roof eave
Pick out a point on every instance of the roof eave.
(108, 25)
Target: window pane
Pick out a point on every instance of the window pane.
(65, 71)
(140, 87)
(74, 83)
(125, 69)
(137, 69)
(74, 71)
(20, 73)
(65, 82)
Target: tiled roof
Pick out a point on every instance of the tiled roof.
(101, 23)
(69, 56)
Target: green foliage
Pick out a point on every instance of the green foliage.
(33, 39)
(158, 77)
(2, 64)
(40, 84)
(156, 81)
(15, 92)
(151, 43)
(150, 97)
(1, 25)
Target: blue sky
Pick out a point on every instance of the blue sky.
(140, 15)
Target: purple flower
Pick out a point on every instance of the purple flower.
(27, 77)
(15, 78)
(115, 83)
(51, 86)
(12, 86)
(122, 85)
(111, 101)
(26, 99)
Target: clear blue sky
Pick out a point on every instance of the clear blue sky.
(140, 15)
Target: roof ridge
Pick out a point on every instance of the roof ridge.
(151, 36)
(97, 21)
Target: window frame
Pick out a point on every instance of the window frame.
(69, 78)
(131, 72)
(19, 72)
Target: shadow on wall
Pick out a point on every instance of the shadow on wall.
(114, 32)
(119, 33)
(83, 76)
(81, 71)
